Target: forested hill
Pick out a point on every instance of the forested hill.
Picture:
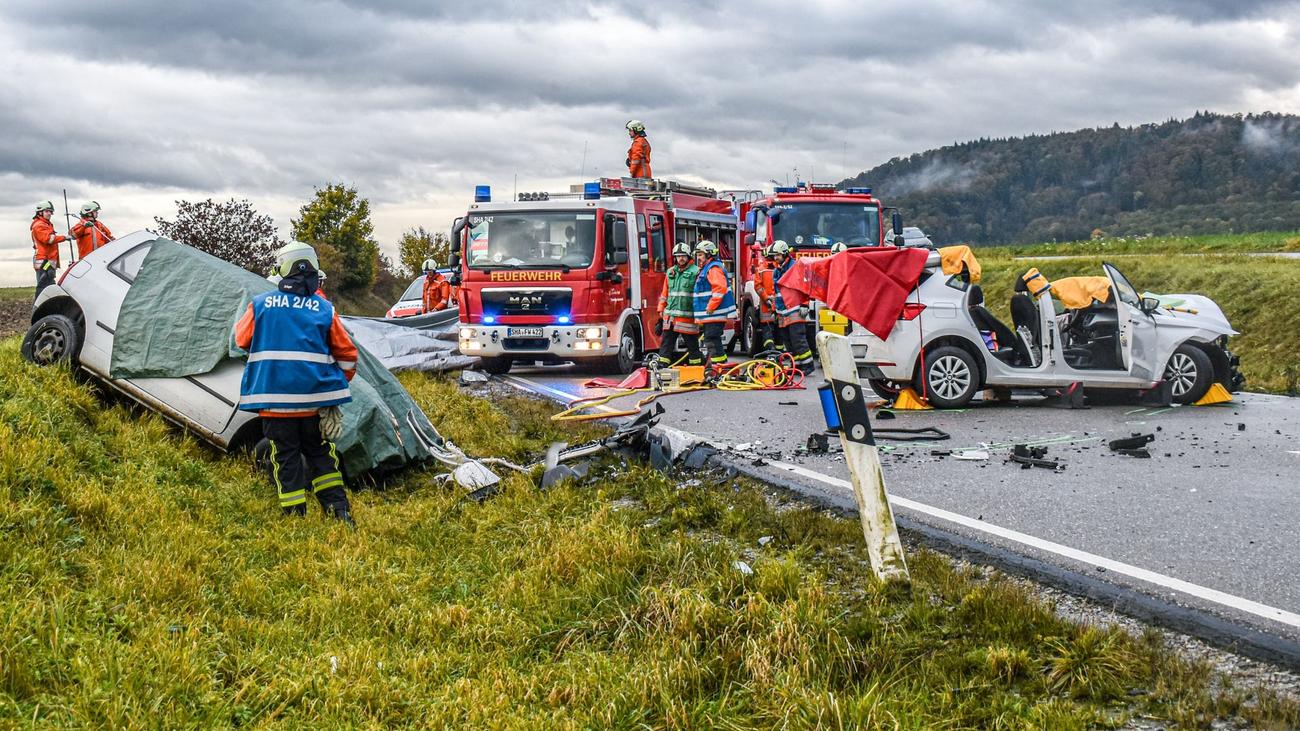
(1208, 174)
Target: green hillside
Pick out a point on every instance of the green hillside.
(1211, 173)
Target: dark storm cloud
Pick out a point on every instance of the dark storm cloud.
(405, 97)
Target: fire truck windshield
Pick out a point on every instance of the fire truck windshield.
(531, 239)
(819, 225)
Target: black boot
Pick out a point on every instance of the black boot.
(297, 511)
(341, 511)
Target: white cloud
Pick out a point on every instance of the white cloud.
(415, 102)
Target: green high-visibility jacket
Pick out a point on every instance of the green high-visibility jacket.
(680, 288)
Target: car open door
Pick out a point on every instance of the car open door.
(1137, 329)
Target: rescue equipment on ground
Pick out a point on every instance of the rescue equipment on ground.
(1216, 395)
(771, 371)
(908, 400)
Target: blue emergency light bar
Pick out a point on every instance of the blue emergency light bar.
(786, 189)
(488, 319)
(591, 191)
(482, 194)
(858, 191)
(562, 319)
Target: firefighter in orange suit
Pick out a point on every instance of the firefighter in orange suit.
(90, 232)
(638, 155)
(765, 288)
(437, 290)
(45, 260)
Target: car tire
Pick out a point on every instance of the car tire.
(53, 339)
(1189, 374)
(497, 366)
(884, 388)
(950, 378)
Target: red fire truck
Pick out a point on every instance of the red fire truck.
(810, 217)
(576, 276)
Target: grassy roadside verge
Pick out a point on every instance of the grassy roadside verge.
(1256, 293)
(15, 308)
(153, 583)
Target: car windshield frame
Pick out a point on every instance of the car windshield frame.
(413, 292)
(796, 215)
(522, 245)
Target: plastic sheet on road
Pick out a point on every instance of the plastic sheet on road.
(400, 347)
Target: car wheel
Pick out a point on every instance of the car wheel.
(1189, 374)
(53, 339)
(884, 388)
(951, 378)
(496, 366)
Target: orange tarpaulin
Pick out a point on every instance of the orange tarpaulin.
(951, 258)
(1079, 292)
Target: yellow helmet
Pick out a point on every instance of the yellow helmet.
(292, 253)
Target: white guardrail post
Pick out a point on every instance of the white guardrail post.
(846, 410)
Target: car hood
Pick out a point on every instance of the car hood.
(1192, 311)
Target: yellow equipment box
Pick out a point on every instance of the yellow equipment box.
(832, 321)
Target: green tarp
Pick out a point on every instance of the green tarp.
(177, 320)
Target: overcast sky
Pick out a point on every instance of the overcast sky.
(138, 103)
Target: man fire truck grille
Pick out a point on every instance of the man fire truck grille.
(528, 302)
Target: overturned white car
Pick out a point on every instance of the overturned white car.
(1117, 339)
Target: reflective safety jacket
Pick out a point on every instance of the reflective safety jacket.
(638, 158)
(90, 235)
(437, 292)
(677, 301)
(788, 315)
(46, 243)
(765, 288)
(714, 301)
(300, 358)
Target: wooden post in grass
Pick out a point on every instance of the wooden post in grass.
(846, 398)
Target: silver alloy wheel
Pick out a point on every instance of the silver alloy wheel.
(949, 377)
(1181, 373)
(50, 345)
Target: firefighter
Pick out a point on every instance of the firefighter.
(437, 290)
(792, 321)
(765, 288)
(300, 360)
(90, 232)
(713, 300)
(320, 290)
(677, 309)
(45, 260)
(638, 155)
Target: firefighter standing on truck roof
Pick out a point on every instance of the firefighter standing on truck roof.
(638, 155)
(46, 243)
(793, 321)
(300, 360)
(677, 309)
(437, 290)
(714, 301)
(765, 288)
(90, 232)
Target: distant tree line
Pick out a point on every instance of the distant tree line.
(1211, 173)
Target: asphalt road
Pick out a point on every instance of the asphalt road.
(1209, 521)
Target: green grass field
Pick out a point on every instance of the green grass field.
(1256, 293)
(151, 582)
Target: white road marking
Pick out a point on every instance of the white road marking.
(566, 397)
(1151, 577)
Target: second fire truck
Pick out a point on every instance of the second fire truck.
(810, 217)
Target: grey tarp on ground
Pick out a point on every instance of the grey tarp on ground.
(177, 319)
(406, 348)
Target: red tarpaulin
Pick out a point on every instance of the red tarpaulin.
(868, 285)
